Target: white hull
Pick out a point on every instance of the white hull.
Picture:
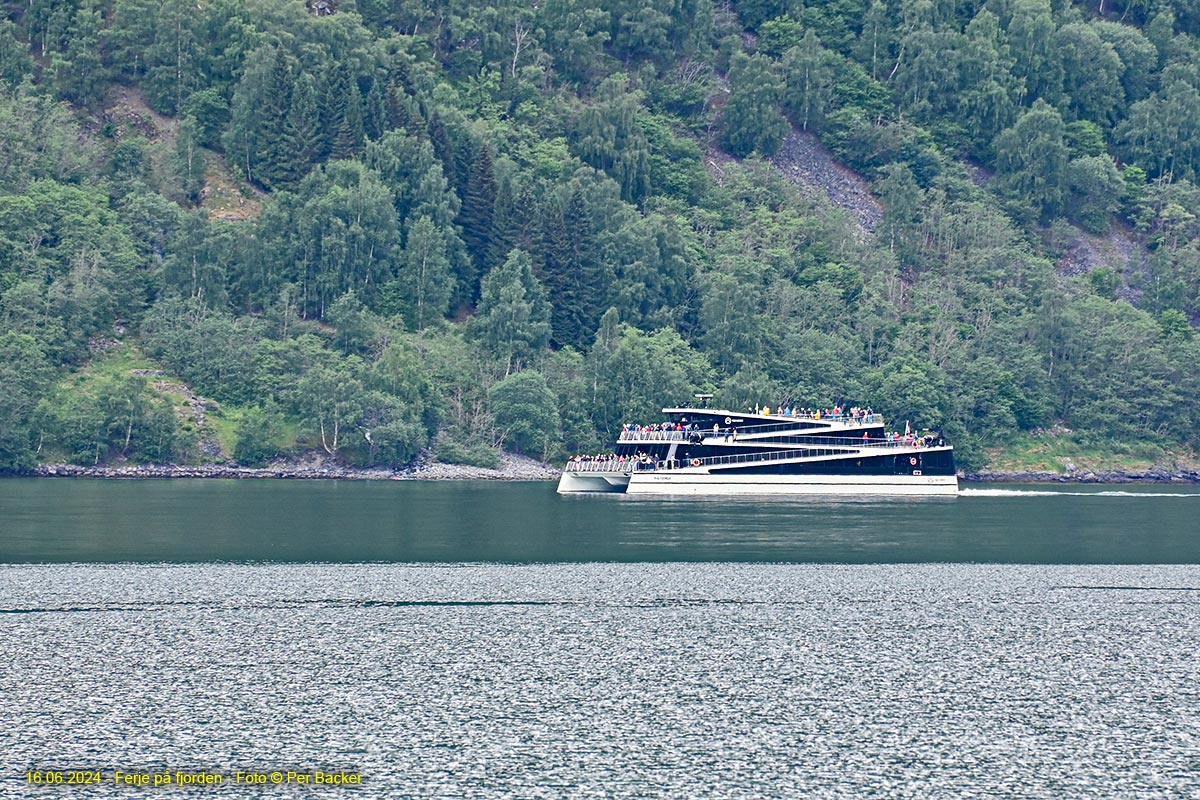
(572, 482)
(698, 482)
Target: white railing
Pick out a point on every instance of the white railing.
(639, 435)
(653, 436)
(609, 465)
(633, 465)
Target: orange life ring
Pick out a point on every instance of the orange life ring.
(913, 461)
(696, 462)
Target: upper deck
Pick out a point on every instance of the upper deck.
(749, 426)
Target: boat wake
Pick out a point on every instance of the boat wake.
(1066, 493)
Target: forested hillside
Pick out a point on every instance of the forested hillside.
(231, 229)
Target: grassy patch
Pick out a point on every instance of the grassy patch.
(224, 425)
(118, 361)
(292, 440)
(1064, 451)
(224, 196)
(450, 451)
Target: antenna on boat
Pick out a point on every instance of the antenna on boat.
(703, 398)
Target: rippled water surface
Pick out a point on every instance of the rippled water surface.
(494, 641)
(611, 680)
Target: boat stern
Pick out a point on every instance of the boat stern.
(592, 481)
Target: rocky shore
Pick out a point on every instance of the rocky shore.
(512, 468)
(316, 465)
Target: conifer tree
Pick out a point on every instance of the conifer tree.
(348, 136)
(513, 318)
(443, 148)
(302, 140)
(398, 107)
(272, 113)
(478, 208)
(78, 72)
(528, 231)
(505, 224)
(574, 275)
(375, 122)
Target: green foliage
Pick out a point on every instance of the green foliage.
(339, 232)
(210, 110)
(526, 413)
(188, 160)
(751, 122)
(513, 318)
(1104, 282)
(610, 138)
(634, 374)
(573, 273)
(812, 82)
(26, 375)
(1096, 190)
(15, 62)
(113, 416)
(1031, 159)
(567, 376)
(259, 436)
(426, 272)
(451, 451)
(440, 216)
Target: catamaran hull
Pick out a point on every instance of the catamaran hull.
(700, 483)
(572, 482)
(722, 452)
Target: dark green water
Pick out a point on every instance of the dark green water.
(51, 520)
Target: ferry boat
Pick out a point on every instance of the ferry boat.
(718, 451)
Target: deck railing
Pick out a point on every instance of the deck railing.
(837, 441)
(608, 465)
(745, 430)
(844, 419)
(653, 436)
(838, 445)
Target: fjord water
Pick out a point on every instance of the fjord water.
(51, 520)
(1004, 643)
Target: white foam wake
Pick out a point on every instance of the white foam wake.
(1067, 493)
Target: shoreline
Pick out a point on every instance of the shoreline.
(516, 468)
(513, 468)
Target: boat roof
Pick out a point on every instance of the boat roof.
(734, 416)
